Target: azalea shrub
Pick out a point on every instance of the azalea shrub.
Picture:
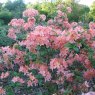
(54, 57)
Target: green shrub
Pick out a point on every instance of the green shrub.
(5, 16)
(4, 40)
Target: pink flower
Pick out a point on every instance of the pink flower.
(90, 93)
(4, 75)
(50, 22)
(57, 63)
(33, 80)
(26, 26)
(19, 59)
(2, 91)
(86, 84)
(63, 52)
(73, 24)
(43, 17)
(40, 36)
(30, 13)
(89, 74)
(93, 44)
(43, 70)
(29, 24)
(66, 24)
(54, 63)
(11, 34)
(92, 25)
(87, 64)
(9, 51)
(23, 69)
(17, 79)
(60, 13)
(31, 21)
(69, 10)
(17, 22)
(47, 76)
(21, 80)
(69, 76)
(29, 83)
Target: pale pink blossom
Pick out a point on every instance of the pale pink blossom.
(92, 25)
(57, 63)
(33, 80)
(60, 13)
(86, 84)
(2, 91)
(50, 22)
(30, 13)
(69, 10)
(43, 17)
(23, 69)
(89, 93)
(17, 22)
(8, 50)
(29, 83)
(11, 34)
(43, 70)
(4, 75)
(17, 79)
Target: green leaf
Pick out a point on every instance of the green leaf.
(40, 93)
(76, 49)
(67, 92)
(9, 90)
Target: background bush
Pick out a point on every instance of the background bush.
(5, 17)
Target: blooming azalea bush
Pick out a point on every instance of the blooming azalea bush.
(48, 58)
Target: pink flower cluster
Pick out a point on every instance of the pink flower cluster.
(30, 13)
(17, 79)
(12, 52)
(40, 36)
(17, 22)
(29, 24)
(43, 70)
(19, 25)
(92, 25)
(4, 75)
(71, 40)
(58, 64)
(11, 33)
